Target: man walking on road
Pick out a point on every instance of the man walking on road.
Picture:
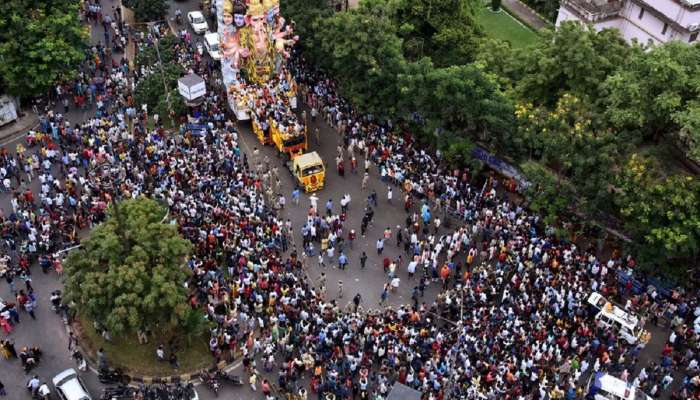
(380, 246)
(342, 261)
(314, 202)
(363, 260)
(340, 289)
(356, 300)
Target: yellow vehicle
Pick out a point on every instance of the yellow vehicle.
(261, 131)
(287, 139)
(308, 171)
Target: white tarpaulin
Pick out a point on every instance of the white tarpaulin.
(191, 87)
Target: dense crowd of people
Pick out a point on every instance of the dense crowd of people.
(511, 320)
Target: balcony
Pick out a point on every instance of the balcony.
(594, 10)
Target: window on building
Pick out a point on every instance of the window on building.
(663, 31)
(693, 37)
(641, 12)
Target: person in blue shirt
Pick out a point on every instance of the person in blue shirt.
(329, 207)
(342, 261)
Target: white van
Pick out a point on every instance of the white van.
(612, 316)
(602, 386)
(211, 43)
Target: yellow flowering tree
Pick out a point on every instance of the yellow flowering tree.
(662, 213)
(570, 140)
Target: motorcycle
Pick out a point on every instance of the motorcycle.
(111, 376)
(200, 48)
(178, 17)
(234, 380)
(43, 393)
(211, 381)
(118, 392)
(30, 358)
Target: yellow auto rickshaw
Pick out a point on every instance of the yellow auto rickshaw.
(308, 171)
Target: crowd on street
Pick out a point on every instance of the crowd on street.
(511, 321)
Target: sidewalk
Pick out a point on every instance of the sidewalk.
(20, 127)
(525, 13)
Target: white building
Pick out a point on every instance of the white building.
(647, 21)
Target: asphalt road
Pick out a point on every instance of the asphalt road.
(50, 334)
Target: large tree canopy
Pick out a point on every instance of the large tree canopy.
(656, 94)
(574, 59)
(457, 99)
(147, 10)
(361, 50)
(41, 42)
(662, 213)
(447, 31)
(130, 273)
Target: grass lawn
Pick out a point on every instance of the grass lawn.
(502, 25)
(125, 352)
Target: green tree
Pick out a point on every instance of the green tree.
(41, 42)
(166, 46)
(177, 105)
(361, 50)
(574, 59)
(572, 141)
(549, 195)
(496, 5)
(130, 271)
(150, 89)
(656, 93)
(548, 8)
(460, 100)
(447, 31)
(688, 121)
(147, 10)
(662, 213)
(303, 14)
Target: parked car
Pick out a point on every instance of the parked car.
(211, 43)
(198, 22)
(69, 386)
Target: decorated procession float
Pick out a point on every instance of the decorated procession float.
(255, 40)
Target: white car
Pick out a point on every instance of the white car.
(69, 386)
(198, 22)
(211, 43)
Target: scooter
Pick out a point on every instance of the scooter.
(234, 380)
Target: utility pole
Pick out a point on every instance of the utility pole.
(162, 76)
